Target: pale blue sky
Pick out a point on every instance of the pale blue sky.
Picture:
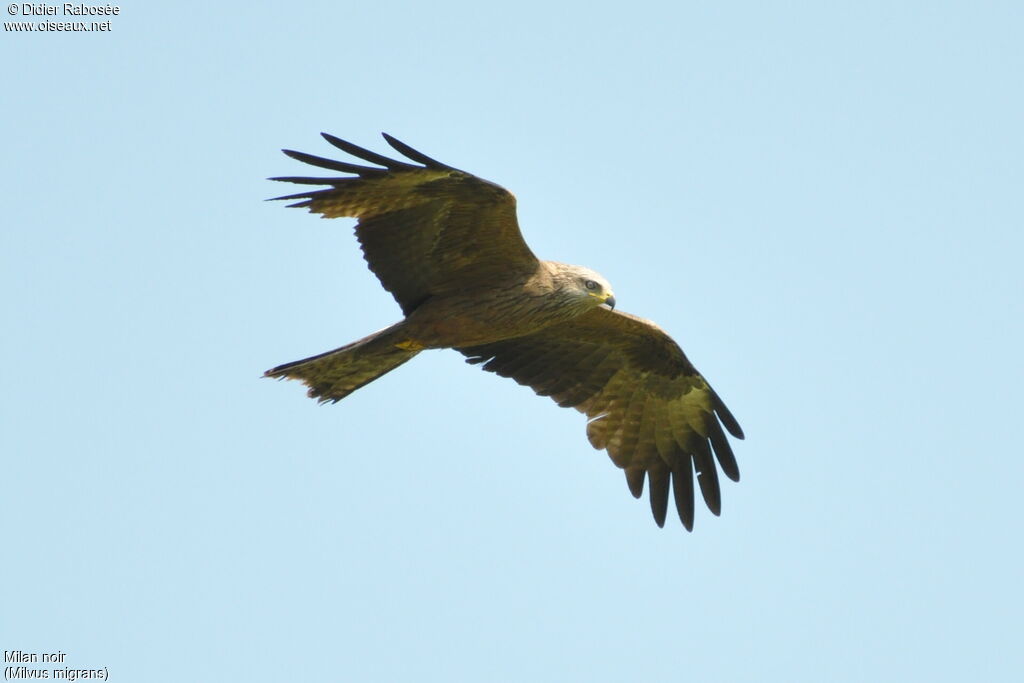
(820, 201)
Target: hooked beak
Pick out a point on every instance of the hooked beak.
(610, 300)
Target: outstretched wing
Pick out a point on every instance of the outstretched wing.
(648, 406)
(425, 229)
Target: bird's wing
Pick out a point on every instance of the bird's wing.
(648, 406)
(425, 228)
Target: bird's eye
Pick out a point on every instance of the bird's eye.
(590, 284)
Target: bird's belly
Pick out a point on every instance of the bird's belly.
(470, 321)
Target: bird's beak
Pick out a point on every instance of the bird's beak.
(610, 300)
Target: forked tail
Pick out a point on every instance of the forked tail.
(334, 375)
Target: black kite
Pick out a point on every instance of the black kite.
(447, 245)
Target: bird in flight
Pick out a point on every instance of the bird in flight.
(446, 244)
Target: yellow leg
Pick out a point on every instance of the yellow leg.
(410, 345)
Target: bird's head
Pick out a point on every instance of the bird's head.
(587, 285)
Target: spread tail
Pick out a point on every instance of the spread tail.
(334, 375)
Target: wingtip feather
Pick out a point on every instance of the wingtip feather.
(365, 154)
(682, 489)
(726, 416)
(413, 154)
(635, 480)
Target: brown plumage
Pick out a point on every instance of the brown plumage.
(447, 245)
